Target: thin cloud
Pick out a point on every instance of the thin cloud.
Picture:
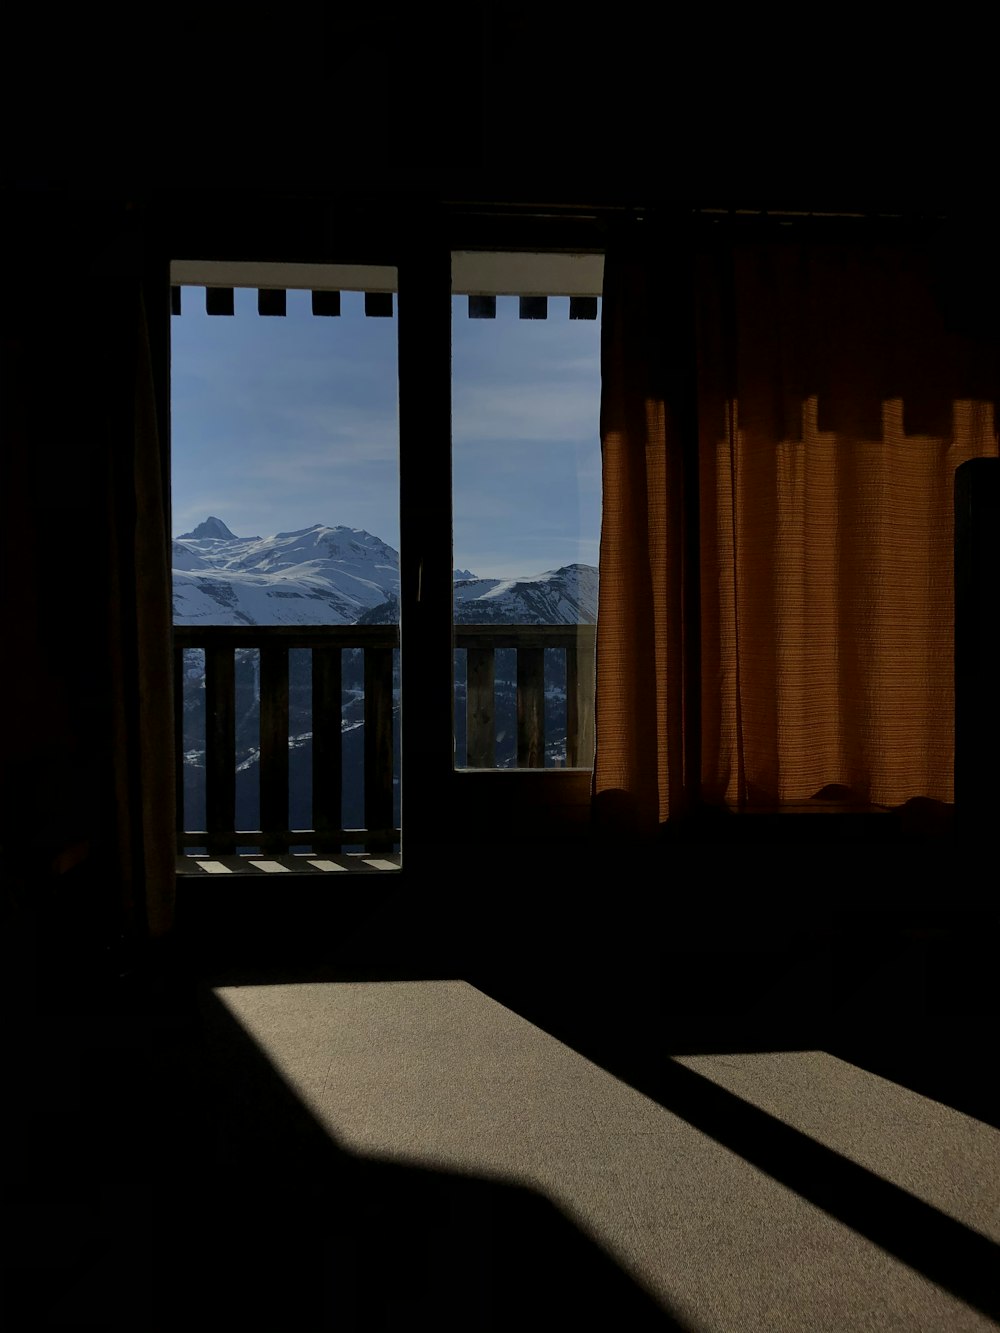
(279, 424)
(523, 411)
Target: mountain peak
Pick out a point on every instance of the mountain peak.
(212, 527)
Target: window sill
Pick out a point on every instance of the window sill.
(819, 820)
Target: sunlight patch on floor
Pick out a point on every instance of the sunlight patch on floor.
(932, 1151)
(438, 1074)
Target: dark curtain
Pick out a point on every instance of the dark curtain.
(140, 608)
(837, 384)
(88, 785)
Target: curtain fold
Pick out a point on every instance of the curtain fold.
(648, 444)
(837, 391)
(139, 608)
(87, 762)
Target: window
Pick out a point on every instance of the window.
(286, 567)
(430, 796)
(527, 486)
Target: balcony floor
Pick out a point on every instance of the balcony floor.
(299, 863)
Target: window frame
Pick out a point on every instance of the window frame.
(523, 805)
(518, 274)
(441, 806)
(278, 276)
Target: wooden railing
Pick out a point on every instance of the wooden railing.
(531, 641)
(220, 643)
(378, 642)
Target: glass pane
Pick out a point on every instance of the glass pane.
(285, 497)
(527, 514)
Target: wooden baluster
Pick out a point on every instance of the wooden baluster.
(220, 747)
(530, 707)
(572, 705)
(585, 645)
(378, 744)
(480, 708)
(327, 756)
(580, 699)
(274, 741)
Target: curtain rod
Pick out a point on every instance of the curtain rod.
(596, 209)
(817, 214)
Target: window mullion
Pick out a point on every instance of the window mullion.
(425, 553)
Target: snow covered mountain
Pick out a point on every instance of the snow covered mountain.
(566, 596)
(340, 576)
(213, 527)
(315, 576)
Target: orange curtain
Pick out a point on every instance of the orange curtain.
(644, 635)
(837, 386)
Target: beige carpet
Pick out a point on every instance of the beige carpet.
(437, 1074)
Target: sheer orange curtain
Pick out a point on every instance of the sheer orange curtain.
(838, 385)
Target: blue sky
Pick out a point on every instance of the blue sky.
(281, 423)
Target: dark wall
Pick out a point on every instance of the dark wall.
(53, 529)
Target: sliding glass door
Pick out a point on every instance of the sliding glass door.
(285, 489)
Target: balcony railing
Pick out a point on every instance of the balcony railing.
(481, 643)
(219, 833)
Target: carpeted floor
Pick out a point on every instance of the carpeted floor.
(622, 1117)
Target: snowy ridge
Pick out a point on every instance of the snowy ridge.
(212, 527)
(566, 596)
(337, 576)
(314, 576)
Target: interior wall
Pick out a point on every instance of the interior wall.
(53, 533)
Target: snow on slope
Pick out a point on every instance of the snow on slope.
(314, 576)
(566, 596)
(333, 576)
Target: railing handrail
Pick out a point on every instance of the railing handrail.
(522, 636)
(381, 636)
(293, 636)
